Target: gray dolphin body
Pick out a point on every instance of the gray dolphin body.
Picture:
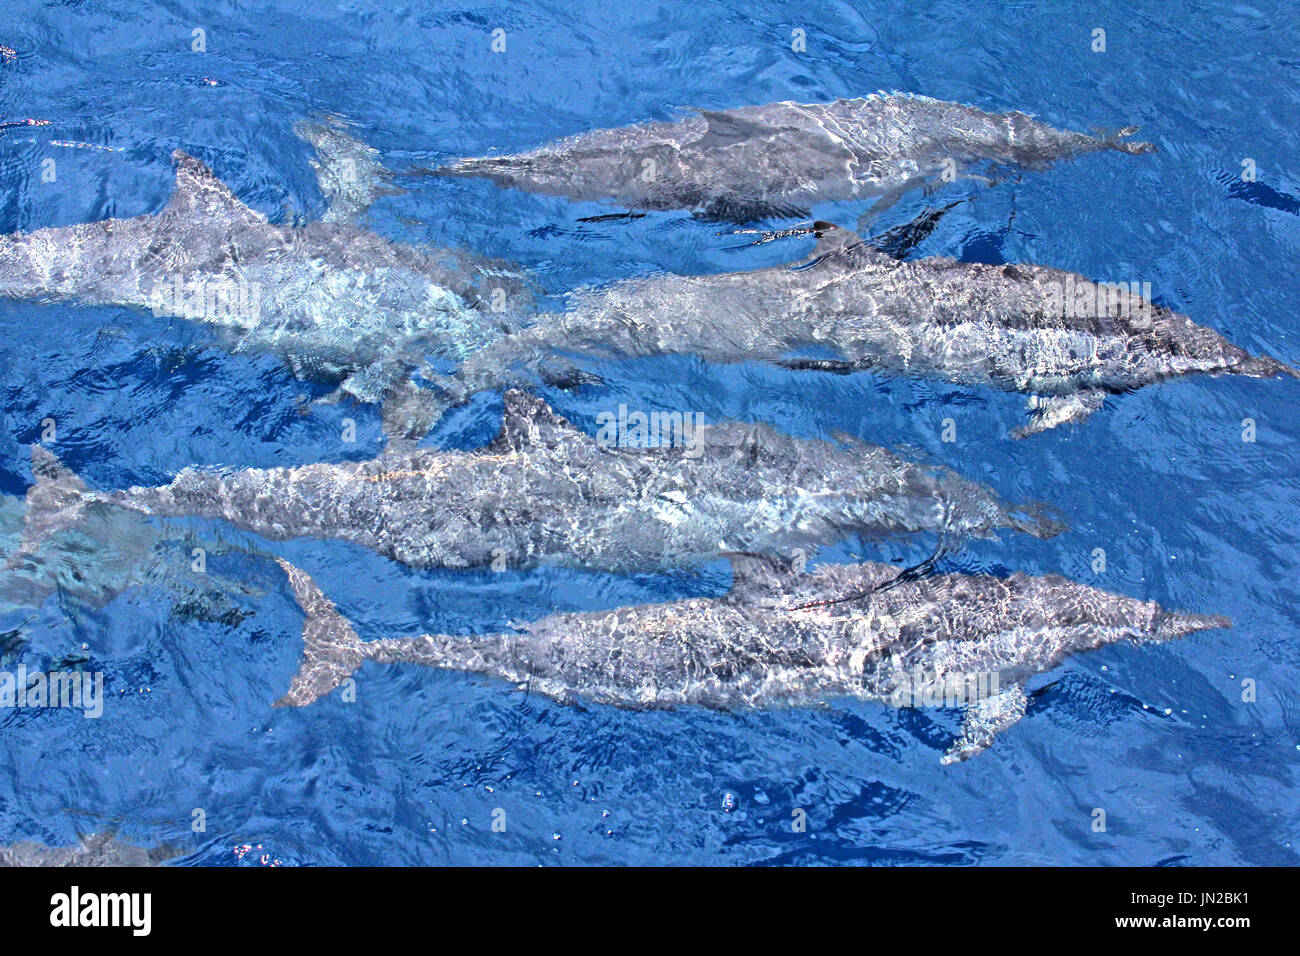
(759, 162)
(1063, 339)
(545, 492)
(95, 849)
(775, 640)
(337, 302)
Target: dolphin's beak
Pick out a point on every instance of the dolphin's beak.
(1263, 366)
(1119, 140)
(1171, 625)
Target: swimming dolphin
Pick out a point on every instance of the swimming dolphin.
(1058, 336)
(126, 554)
(761, 162)
(546, 492)
(105, 552)
(337, 302)
(779, 638)
(95, 849)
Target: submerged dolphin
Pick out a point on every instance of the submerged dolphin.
(759, 162)
(545, 492)
(126, 554)
(1060, 337)
(776, 640)
(105, 552)
(95, 849)
(337, 302)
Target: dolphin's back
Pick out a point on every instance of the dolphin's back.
(779, 638)
(762, 161)
(546, 492)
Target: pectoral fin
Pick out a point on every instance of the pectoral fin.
(368, 384)
(984, 720)
(888, 200)
(1049, 411)
(348, 171)
(409, 412)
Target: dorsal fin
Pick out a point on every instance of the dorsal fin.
(46, 468)
(200, 194)
(766, 124)
(54, 503)
(727, 129)
(529, 421)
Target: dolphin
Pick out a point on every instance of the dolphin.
(545, 492)
(1065, 340)
(94, 849)
(336, 302)
(106, 552)
(126, 554)
(777, 639)
(774, 161)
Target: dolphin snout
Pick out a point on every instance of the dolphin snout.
(1118, 141)
(1172, 624)
(1264, 366)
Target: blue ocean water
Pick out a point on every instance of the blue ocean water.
(1187, 512)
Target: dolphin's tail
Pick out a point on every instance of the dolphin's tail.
(55, 503)
(331, 650)
(348, 171)
(502, 170)
(1033, 518)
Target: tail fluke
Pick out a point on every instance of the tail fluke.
(331, 650)
(55, 503)
(347, 170)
